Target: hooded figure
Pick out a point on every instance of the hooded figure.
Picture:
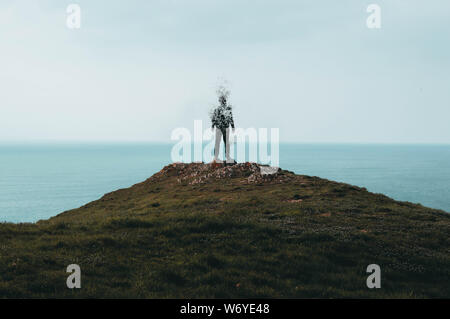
(222, 119)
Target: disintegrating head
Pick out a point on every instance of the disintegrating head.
(222, 94)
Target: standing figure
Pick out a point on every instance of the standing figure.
(222, 119)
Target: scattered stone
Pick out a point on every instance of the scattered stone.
(295, 200)
(268, 170)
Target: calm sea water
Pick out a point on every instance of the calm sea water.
(41, 180)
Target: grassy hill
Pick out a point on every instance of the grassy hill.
(196, 230)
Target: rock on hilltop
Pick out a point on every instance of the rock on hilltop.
(200, 173)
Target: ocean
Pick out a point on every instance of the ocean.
(41, 180)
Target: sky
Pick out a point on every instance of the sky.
(136, 69)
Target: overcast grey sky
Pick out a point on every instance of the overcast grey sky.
(138, 69)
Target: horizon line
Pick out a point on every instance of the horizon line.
(49, 141)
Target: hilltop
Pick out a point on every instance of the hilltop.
(246, 230)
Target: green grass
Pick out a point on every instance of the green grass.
(228, 239)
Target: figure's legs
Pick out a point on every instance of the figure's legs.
(226, 141)
(217, 146)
